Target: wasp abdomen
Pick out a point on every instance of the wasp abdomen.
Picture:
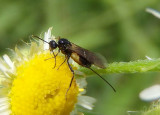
(80, 60)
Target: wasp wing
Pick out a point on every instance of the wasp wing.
(93, 58)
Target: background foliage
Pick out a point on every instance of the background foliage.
(120, 30)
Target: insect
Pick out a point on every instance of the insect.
(80, 55)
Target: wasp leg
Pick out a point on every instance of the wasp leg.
(72, 76)
(62, 63)
(54, 59)
(57, 52)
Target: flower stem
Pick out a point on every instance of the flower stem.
(128, 67)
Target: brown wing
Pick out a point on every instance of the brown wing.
(89, 56)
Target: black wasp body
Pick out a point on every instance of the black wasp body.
(80, 55)
(69, 50)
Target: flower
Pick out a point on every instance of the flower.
(31, 86)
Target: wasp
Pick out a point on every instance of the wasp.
(80, 55)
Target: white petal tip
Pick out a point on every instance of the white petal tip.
(150, 94)
(86, 102)
(149, 58)
(153, 12)
(8, 61)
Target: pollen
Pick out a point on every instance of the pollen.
(40, 89)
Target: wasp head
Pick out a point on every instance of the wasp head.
(52, 45)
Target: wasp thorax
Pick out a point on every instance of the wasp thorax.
(63, 43)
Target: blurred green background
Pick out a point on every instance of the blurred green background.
(120, 30)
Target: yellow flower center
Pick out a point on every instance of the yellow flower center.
(40, 89)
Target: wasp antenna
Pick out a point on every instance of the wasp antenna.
(103, 79)
(33, 36)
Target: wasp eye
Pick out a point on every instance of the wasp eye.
(53, 45)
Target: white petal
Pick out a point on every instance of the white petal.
(86, 106)
(74, 112)
(150, 94)
(7, 112)
(33, 48)
(3, 68)
(133, 112)
(53, 38)
(8, 61)
(46, 46)
(79, 72)
(6, 75)
(19, 54)
(3, 104)
(149, 58)
(82, 82)
(153, 12)
(3, 99)
(4, 108)
(47, 36)
(86, 102)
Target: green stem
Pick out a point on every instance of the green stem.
(128, 67)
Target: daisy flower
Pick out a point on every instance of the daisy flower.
(29, 85)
